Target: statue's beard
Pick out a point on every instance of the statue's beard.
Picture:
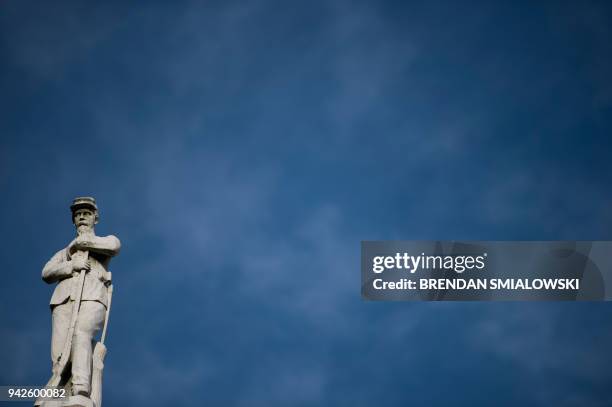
(84, 230)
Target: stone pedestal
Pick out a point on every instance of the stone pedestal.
(78, 401)
(72, 401)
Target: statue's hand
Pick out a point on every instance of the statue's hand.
(80, 263)
(79, 243)
(83, 242)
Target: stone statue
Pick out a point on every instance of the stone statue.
(80, 308)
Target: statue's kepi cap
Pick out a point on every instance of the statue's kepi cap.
(83, 202)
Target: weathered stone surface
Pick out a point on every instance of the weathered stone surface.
(80, 306)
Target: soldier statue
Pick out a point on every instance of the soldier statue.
(80, 307)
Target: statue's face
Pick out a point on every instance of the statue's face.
(84, 217)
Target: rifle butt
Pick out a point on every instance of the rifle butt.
(99, 354)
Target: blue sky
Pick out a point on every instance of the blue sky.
(241, 152)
